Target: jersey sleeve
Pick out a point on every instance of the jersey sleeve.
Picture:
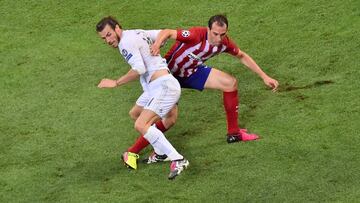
(153, 34)
(132, 56)
(231, 47)
(186, 36)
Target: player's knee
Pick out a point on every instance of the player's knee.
(171, 118)
(231, 84)
(133, 114)
(170, 121)
(139, 126)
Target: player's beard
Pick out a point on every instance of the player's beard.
(117, 42)
(118, 38)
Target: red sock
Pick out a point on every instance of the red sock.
(159, 125)
(231, 104)
(141, 142)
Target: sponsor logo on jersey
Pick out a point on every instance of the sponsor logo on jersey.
(126, 55)
(185, 33)
(194, 56)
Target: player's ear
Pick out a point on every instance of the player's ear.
(117, 29)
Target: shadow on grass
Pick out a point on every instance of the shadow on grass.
(288, 87)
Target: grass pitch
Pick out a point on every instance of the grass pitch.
(61, 137)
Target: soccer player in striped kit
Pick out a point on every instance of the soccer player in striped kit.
(186, 61)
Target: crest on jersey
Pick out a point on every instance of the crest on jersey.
(185, 33)
(124, 52)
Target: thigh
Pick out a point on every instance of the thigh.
(173, 112)
(220, 80)
(164, 94)
(170, 117)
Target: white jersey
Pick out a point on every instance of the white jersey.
(134, 46)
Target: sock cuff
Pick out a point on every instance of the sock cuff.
(152, 134)
(233, 93)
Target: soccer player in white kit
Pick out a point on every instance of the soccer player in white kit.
(161, 90)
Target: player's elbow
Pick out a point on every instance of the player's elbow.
(241, 55)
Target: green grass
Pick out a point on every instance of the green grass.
(61, 137)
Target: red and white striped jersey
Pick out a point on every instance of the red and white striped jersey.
(192, 49)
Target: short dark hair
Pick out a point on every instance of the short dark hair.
(109, 20)
(219, 19)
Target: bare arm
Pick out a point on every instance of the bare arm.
(161, 38)
(251, 64)
(128, 77)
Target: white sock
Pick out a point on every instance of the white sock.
(157, 139)
(158, 151)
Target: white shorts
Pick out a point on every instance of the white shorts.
(162, 95)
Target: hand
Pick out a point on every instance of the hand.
(272, 83)
(107, 83)
(155, 50)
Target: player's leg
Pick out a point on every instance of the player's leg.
(140, 142)
(163, 125)
(169, 120)
(211, 78)
(143, 121)
(135, 111)
(220, 80)
(131, 156)
(166, 93)
(157, 139)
